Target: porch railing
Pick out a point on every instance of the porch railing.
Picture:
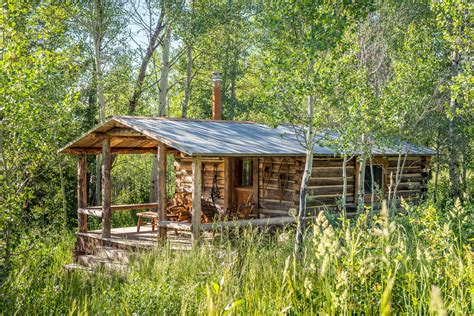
(97, 210)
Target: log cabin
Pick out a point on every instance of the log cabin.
(230, 173)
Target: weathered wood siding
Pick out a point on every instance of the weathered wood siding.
(279, 180)
(324, 189)
(184, 181)
(414, 176)
(326, 183)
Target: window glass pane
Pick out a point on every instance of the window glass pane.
(377, 178)
(247, 173)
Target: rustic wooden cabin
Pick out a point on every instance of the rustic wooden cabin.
(229, 165)
(228, 173)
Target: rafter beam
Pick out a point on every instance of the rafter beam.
(118, 131)
(114, 150)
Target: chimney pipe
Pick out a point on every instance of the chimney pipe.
(216, 96)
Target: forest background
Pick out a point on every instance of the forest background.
(375, 71)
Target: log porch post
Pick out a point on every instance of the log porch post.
(227, 183)
(82, 191)
(161, 183)
(196, 196)
(106, 190)
(255, 180)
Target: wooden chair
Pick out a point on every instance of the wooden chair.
(246, 211)
(153, 216)
(243, 211)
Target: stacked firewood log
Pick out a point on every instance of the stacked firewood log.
(179, 208)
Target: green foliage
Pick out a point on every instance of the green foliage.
(36, 112)
(413, 263)
(379, 68)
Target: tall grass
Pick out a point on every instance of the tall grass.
(415, 263)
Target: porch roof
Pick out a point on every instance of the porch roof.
(132, 134)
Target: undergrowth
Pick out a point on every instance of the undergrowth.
(417, 262)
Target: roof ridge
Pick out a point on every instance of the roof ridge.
(183, 119)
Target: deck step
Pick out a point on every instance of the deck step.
(95, 262)
(113, 254)
(77, 267)
(181, 247)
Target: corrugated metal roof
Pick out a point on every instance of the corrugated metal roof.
(225, 138)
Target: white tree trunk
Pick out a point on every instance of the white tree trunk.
(435, 186)
(372, 193)
(152, 45)
(153, 182)
(306, 176)
(187, 84)
(344, 184)
(165, 70)
(361, 184)
(454, 170)
(62, 182)
(398, 176)
(97, 36)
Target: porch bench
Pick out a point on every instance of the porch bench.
(153, 216)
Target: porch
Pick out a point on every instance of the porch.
(216, 186)
(178, 234)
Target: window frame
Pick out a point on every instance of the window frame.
(367, 179)
(381, 161)
(241, 171)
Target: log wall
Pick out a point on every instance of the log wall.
(414, 176)
(326, 183)
(184, 178)
(279, 180)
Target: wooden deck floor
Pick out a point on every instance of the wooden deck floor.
(128, 237)
(178, 235)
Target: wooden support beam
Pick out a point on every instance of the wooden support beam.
(82, 192)
(113, 150)
(97, 210)
(106, 188)
(255, 183)
(261, 222)
(161, 182)
(91, 212)
(118, 131)
(227, 183)
(137, 138)
(175, 225)
(123, 207)
(196, 197)
(172, 151)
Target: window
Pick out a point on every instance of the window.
(378, 171)
(244, 172)
(247, 173)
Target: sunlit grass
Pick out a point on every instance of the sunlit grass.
(415, 263)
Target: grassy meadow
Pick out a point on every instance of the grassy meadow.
(416, 263)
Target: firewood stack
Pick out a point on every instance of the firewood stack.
(179, 208)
